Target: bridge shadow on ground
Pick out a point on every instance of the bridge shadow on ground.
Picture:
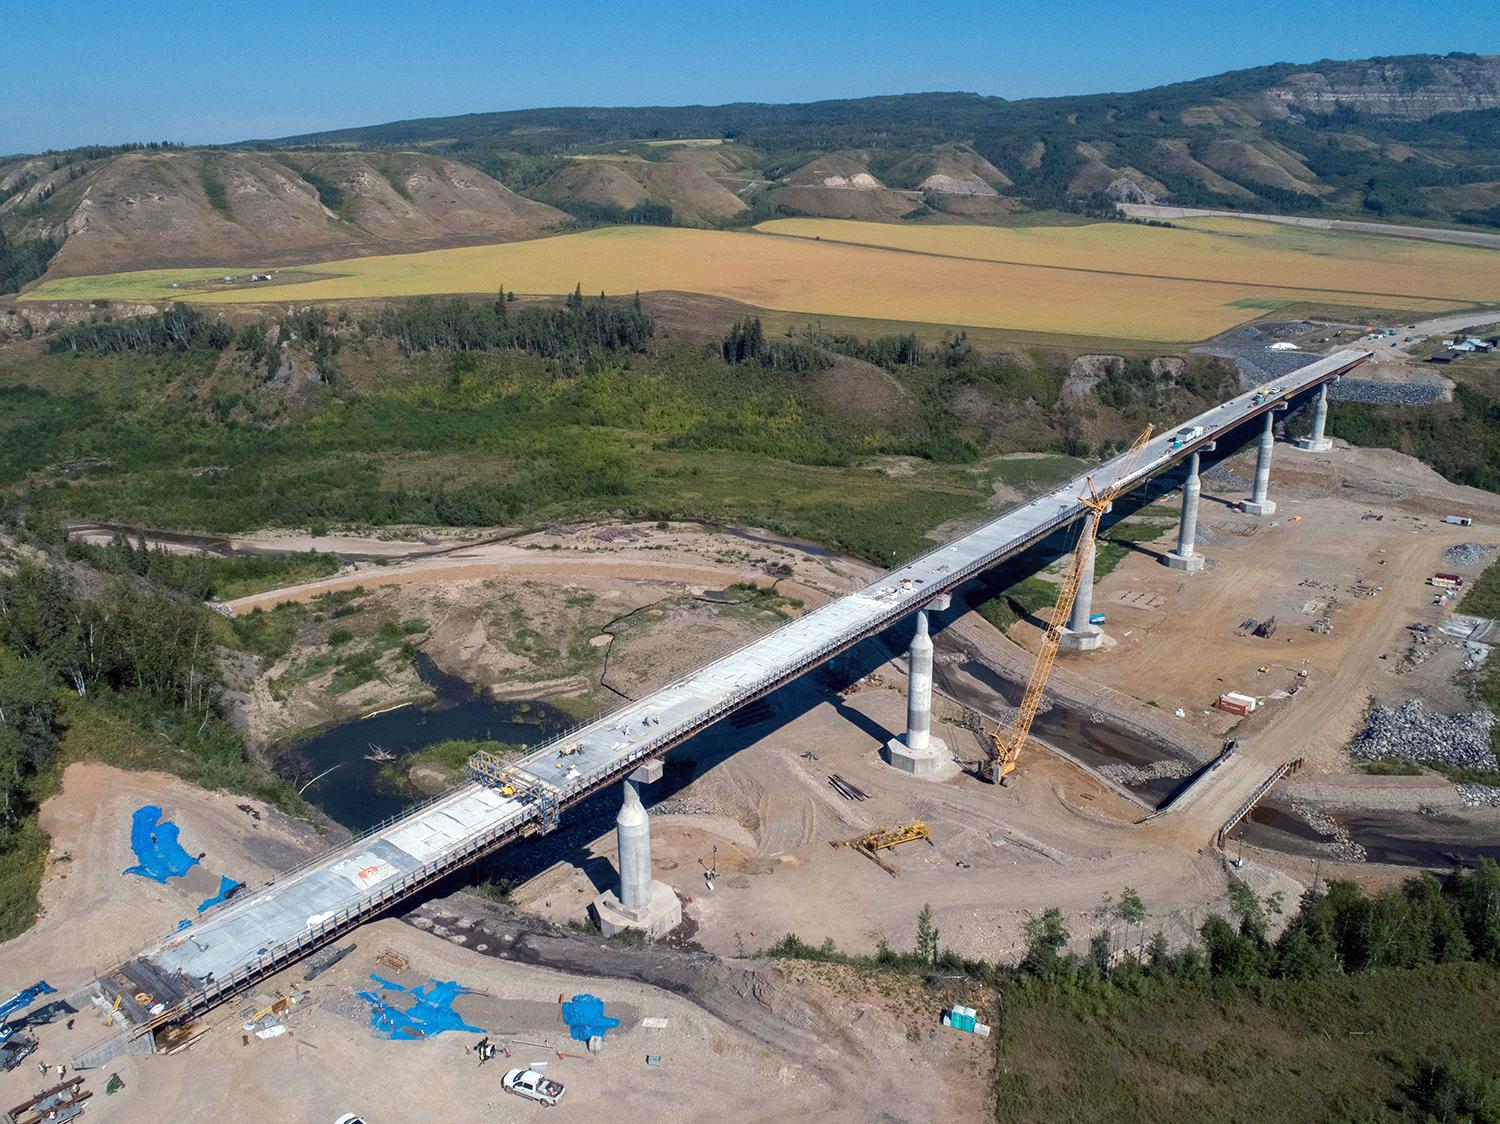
(528, 857)
(586, 821)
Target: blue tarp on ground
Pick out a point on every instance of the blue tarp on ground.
(154, 842)
(586, 1018)
(227, 886)
(431, 1012)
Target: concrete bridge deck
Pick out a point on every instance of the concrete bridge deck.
(258, 932)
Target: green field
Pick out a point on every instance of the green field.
(1110, 280)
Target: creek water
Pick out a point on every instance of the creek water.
(354, 792)
(1399, 838)
(1090, 743)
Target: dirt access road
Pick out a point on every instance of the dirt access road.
(683, 553)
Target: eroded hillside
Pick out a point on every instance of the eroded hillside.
(190, 208)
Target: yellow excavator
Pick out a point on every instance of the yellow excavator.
(1005, 747)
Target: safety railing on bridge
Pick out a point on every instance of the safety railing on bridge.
(1265, 786)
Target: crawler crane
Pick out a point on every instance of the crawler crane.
(1005, 748)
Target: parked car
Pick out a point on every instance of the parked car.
(533, 1086)
(350, 1118)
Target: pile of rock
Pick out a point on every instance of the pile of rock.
(1165, 769)
(1414, 733)
(1384, 393)
(685, 806)
(1225, 476)
(1469, 553)
(1479, 795)
(1339, 845)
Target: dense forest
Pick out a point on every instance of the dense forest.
(24, 261)
(1364, 1008)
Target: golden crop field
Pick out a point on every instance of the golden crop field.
(1065, 290)
(1209, 249)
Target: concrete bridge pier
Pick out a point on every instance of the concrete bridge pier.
(918, 752)
(1315, 442)
(641, 902)
(1080, 635)
(1258, 504)
(1186, 556)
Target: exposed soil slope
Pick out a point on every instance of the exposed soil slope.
(696, 198)
(950, 169)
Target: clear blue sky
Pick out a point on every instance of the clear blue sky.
(215, 71)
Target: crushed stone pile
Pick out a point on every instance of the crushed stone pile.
(1414, 733)
(1338, 843)
(1384, 393)
(1223, 475)
(1166, 769)
(1469, 553)
(1479, 795)
(688, 806)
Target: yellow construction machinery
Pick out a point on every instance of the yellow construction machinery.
(1005, 748)
(872, 843)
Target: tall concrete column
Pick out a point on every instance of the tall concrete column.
(1186, 556)
(919, 687)
(1080, 636)
(1315, 442)
(633, 839)
(918, 752)
(1258, 504)
(641, 902)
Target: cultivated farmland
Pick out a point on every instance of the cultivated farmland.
(1238, 251)
(1106, 279)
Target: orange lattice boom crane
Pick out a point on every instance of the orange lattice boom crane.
(1005, 748)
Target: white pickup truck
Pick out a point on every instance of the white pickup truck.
(533, 1086)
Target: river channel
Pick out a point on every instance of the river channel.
(349, 786)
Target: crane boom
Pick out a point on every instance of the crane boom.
(1005, 749)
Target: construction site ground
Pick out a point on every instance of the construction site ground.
(1057, 835)
(813, 1040)
(752, 800)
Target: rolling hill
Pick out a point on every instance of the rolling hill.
(1415, 137)
(630, 184)
(137, 209)
(1408, 138)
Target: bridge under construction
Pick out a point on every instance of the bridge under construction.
(259, 932)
